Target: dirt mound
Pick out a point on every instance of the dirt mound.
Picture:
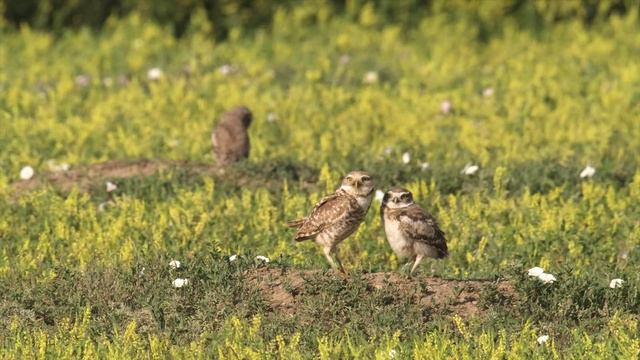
(84, 177)
(284, 290)
(88, 177)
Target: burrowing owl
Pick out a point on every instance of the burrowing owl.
(411, 232)
(230, 138)
(337, 216)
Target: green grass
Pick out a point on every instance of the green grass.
(567, 96)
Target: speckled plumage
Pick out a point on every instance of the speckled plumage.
(230, 139)
(337, 216)
(411, 232)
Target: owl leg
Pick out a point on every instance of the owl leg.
(335, 255)
(328, 253)
(415, 264)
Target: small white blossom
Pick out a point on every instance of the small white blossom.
(55, 167)
(226, 69)
(543, 339)
(406, 158)
(392, 354)
(616, 283)
(624, 255)
(102, 206)
(535, 271)
(588, 172)
(142, 271)
(387, 151)
(175, 264)
(178, 283)
(154, 73)
(547, 278)
(233, 257)
(111, 186)
(470, 169)
(424, 166)
(26, 173)
(487, 92)
(379, 195)
(446, 107)
(371, 77)
(262, 258)
(83, 80)
(272, 117)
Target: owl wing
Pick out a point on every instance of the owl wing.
(420, 226)
(328, 211)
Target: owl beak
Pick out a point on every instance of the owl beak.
(357, 184)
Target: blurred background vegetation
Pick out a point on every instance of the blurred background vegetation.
(225, 15)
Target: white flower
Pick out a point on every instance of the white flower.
(588, 172)
(178, 283)
(424, 166)
(233, 257)
(55, 167)
(262, 258)
(392, 354)
(546, 278)
(446, 107)
(406, 158)
(470, 169)
(371, 77)
(174, 264)
(111, 186)
(83, 80)
(379, 195)
(154, 73)
(487, 92)
(543, 339)
(535, 271)
(616, 283)
(344, 59)
(226, 69)
(26, 173)
(102, 206)
(271, 117)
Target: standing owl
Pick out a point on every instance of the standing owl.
(411, 232)
(230, 138)
(337, 216)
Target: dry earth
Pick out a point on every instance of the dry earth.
(285, 289)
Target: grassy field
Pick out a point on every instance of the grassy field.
(85, 273)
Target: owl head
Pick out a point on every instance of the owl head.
(397, 197)
(358, 183)
(242, 113)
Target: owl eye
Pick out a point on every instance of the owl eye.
(366, 178)
(404, 196)
(349, 178)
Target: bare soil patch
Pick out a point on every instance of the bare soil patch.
(87, 177)
(285, 289)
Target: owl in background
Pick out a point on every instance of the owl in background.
(230, 138)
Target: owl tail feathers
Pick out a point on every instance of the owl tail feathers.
(443, 251)
(295, 223)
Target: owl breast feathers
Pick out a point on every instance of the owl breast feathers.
(415, 225)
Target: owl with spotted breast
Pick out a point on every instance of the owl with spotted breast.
(337, 216)
(411, 232)
(230, 138)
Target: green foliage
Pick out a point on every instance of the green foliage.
(561, 98)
